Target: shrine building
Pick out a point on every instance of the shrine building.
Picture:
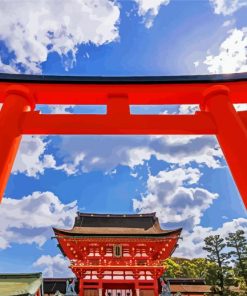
(117, 255)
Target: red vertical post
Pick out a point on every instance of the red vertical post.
(156, 287)
(81, 287)
(100, 283)
(136, 278)
(231, 134)
(155, 282)
(17, 101)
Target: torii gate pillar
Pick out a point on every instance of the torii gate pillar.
(231, 133)
(17, 101)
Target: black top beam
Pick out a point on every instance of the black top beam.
(48, 79)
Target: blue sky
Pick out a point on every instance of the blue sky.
(184, 179)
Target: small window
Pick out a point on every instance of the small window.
(117, 251)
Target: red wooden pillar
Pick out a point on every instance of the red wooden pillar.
(81, 287)
(100, 283)
(137, 289)
(136, 278)
(156, 287)
(18, 100)
(156, 276)
(231, 134)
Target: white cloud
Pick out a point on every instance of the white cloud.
(232, 56)
(31, 218)
(228, 23)
(60, 109)
(53, 266)
(87, 153)
(227, 7)
(178, 192)
(240, 107)
(196, 63)
(32, 29)
(188, 109)
(107, 152)
(31, 158)
(11, 68)
(149, 9)
(192, 243)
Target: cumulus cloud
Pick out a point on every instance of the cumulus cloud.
(31, 158)
(227, 7)
(83, 154)
(11, 68)
(240, 107)
(31, 218)
(150, 9)
(107, 152)
(228, 23)
(61, 109)
(192, 242)
(33, 29)
(188, 109)
(177, 191)
(232, 56)
(53, 266)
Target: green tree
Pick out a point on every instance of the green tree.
(172, 269)
(188, 268)
(206, 269)
(215, 247)
(238, 242)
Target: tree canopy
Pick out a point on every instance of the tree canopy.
(224, 266)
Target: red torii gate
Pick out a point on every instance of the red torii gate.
(215, 94)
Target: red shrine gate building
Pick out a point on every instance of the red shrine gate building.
(114, 255)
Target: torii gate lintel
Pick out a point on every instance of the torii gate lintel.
(215, 96)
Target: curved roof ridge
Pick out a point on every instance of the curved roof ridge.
(92, 224)
(88, 232)
(153, 214)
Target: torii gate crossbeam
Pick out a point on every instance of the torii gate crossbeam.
(215, 94)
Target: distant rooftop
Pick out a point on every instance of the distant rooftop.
(20, 284)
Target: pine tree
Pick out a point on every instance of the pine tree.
(215, 246)
(238, 242)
